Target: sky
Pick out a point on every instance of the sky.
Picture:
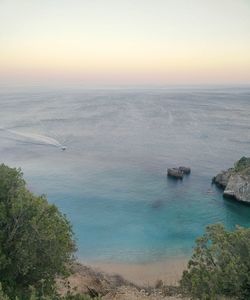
(125, 41)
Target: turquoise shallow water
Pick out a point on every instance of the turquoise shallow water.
(111, 181)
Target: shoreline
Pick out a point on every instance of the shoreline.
(144, 274)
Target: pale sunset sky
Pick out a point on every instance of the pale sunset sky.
(125, 41)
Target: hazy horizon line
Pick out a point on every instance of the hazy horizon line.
(124, 86)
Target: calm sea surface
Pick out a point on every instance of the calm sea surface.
(111, 181)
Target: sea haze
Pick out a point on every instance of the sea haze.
(111, 180)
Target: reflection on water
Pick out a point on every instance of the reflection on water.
(111, 181)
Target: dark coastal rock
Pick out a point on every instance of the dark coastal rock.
(185, 170)
(236, 181)
(175, 173)
(178, 173)
(221, 179)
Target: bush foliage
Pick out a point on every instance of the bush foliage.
(36, 240)
(220, 265)
(37, 246)
(242, 164)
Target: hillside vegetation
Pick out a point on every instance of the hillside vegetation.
(37, 249)
(220, 265)
(36, 240)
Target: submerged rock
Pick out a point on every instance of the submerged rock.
(236, 181)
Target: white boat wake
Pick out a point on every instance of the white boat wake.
(37, 138)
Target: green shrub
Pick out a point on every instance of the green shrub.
(220, 265)
(2, 295)
(36, 240)
(242, 164)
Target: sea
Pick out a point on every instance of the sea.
(101, 155)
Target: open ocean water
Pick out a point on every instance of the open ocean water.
(111, 180)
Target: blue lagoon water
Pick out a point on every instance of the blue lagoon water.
(111, 181)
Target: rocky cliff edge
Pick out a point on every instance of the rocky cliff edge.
(236, 181)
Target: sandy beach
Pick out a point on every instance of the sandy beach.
(144, 274)
(127, 281)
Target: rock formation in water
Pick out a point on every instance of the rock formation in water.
(236, 181)
(178, 173)
(185, 170)
(175, 173)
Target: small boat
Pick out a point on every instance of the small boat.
(63, 148)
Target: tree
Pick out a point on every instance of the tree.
(2, 295)
(36, 240)
(220, 265)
